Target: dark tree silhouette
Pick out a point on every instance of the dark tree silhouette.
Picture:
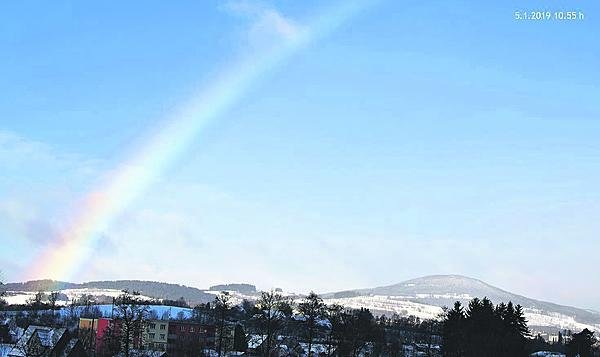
(271, 318)
(131, 311)
(312, 308)
(334, 313)
(2, 293)
(485, 330)
(453, 328)
(581, 344)
(222, 309)
(354, 329)
(240, 343)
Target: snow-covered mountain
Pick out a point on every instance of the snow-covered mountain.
(424, 297)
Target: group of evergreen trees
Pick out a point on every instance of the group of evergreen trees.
(483, 329)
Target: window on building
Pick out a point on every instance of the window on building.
(162, 327)
(182, 328)
(191, 329)
(151, 336)
(162, 336)
(153, 326)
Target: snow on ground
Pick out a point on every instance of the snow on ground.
(453, 296)
(236, 298)
(21, 297)
(77, 293)
(162, 312)
(538, 318)
(390, 304)
(173, 312)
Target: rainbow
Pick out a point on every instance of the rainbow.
(67, 253)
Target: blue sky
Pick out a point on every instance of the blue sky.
(411, 139)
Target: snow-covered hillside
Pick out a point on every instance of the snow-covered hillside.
(21, 297)
(389, 305)
(423, 297)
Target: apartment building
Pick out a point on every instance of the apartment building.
(156, 335)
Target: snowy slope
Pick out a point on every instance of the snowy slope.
(424, 297)
(21, 297)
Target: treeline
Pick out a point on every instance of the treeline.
(247, 289)
(152, 289)
(482, 329)
(39, 285)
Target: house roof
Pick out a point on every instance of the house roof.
(5, 348)
(48, 337)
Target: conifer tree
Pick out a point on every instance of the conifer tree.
(452, 330)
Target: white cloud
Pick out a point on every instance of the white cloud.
(266, 26)
(38, 185)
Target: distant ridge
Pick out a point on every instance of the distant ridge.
(422, 296)
(39, 285)
(247, 289)
(152, 289)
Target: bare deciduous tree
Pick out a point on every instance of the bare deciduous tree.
(222, 307)
(313, 309)
(271, 319)
(131, 311)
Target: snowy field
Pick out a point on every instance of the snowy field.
(390, 304)
(21, 297)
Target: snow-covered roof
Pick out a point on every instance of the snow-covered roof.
(47, 337)
(254, 341)
(547, 354)
(143, 353)
(5, 348)
(319, 321)
(316, 348)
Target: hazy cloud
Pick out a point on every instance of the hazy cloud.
(266, 25)
(38, 186)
